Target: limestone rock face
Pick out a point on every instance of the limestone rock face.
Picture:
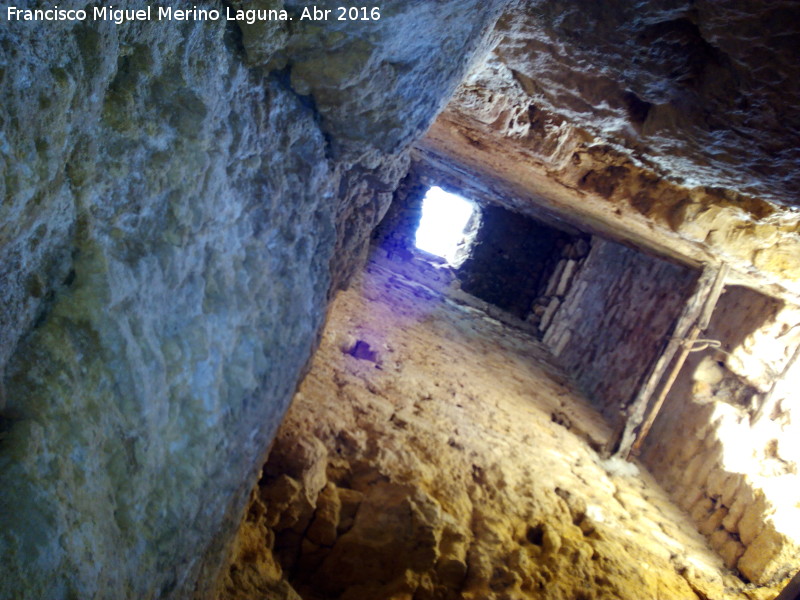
(707, 92)
(179, 200)
(670, 125)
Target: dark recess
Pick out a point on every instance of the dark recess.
(511, 260)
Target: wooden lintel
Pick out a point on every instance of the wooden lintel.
(696, 311)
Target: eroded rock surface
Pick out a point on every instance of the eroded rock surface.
(665, 124)
(705, 91)
(453, 460)
(179, 200)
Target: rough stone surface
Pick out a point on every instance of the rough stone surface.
(639, 121)
(571, 259)
(725, 450)
(396, 233)
(614, 320)
(704, 91)
(178, 202)
(510, 260)
(517, 264)
(466, 460)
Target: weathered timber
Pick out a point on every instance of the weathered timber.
(701, 325)
(792, 590)
(691, 314)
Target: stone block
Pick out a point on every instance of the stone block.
(735, 512)
(689, 450)
(743, 499)
(731, 552)
(714, 521)
(752, 521)
(547, 317)
(717, 477)
(688, 496)
(719, 538)
(578, 250)
(566, 278)
(552, 284)
(690, 476)
(731, 488)
(323, 529)
(768, 553)
(283, 500)
(701, 510)
(558, 348)
(304, 459)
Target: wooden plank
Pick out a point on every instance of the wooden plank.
(624, 436)
(792, 590)
(713, 297)
(650, 417)
(702, 324)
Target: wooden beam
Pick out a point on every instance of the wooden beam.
(649, 419)
(687, 347)
(792, 590)
(696, 310)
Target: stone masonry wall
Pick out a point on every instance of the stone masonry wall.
(569, 263)
(731, 464)
(510, 260)
(613, 321)
(179, 200)
(519, 265)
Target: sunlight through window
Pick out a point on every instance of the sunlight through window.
(444, 218)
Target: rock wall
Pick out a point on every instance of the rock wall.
(179, 201)
(543, 127)
(433, 452)
(703, 91)
(614, 320)
(725, 443)
(396, 233)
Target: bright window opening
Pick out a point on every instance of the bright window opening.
(444, 219)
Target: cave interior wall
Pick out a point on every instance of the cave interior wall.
(608, 311)
(454, 460)
(180, 204)
(724, 446)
